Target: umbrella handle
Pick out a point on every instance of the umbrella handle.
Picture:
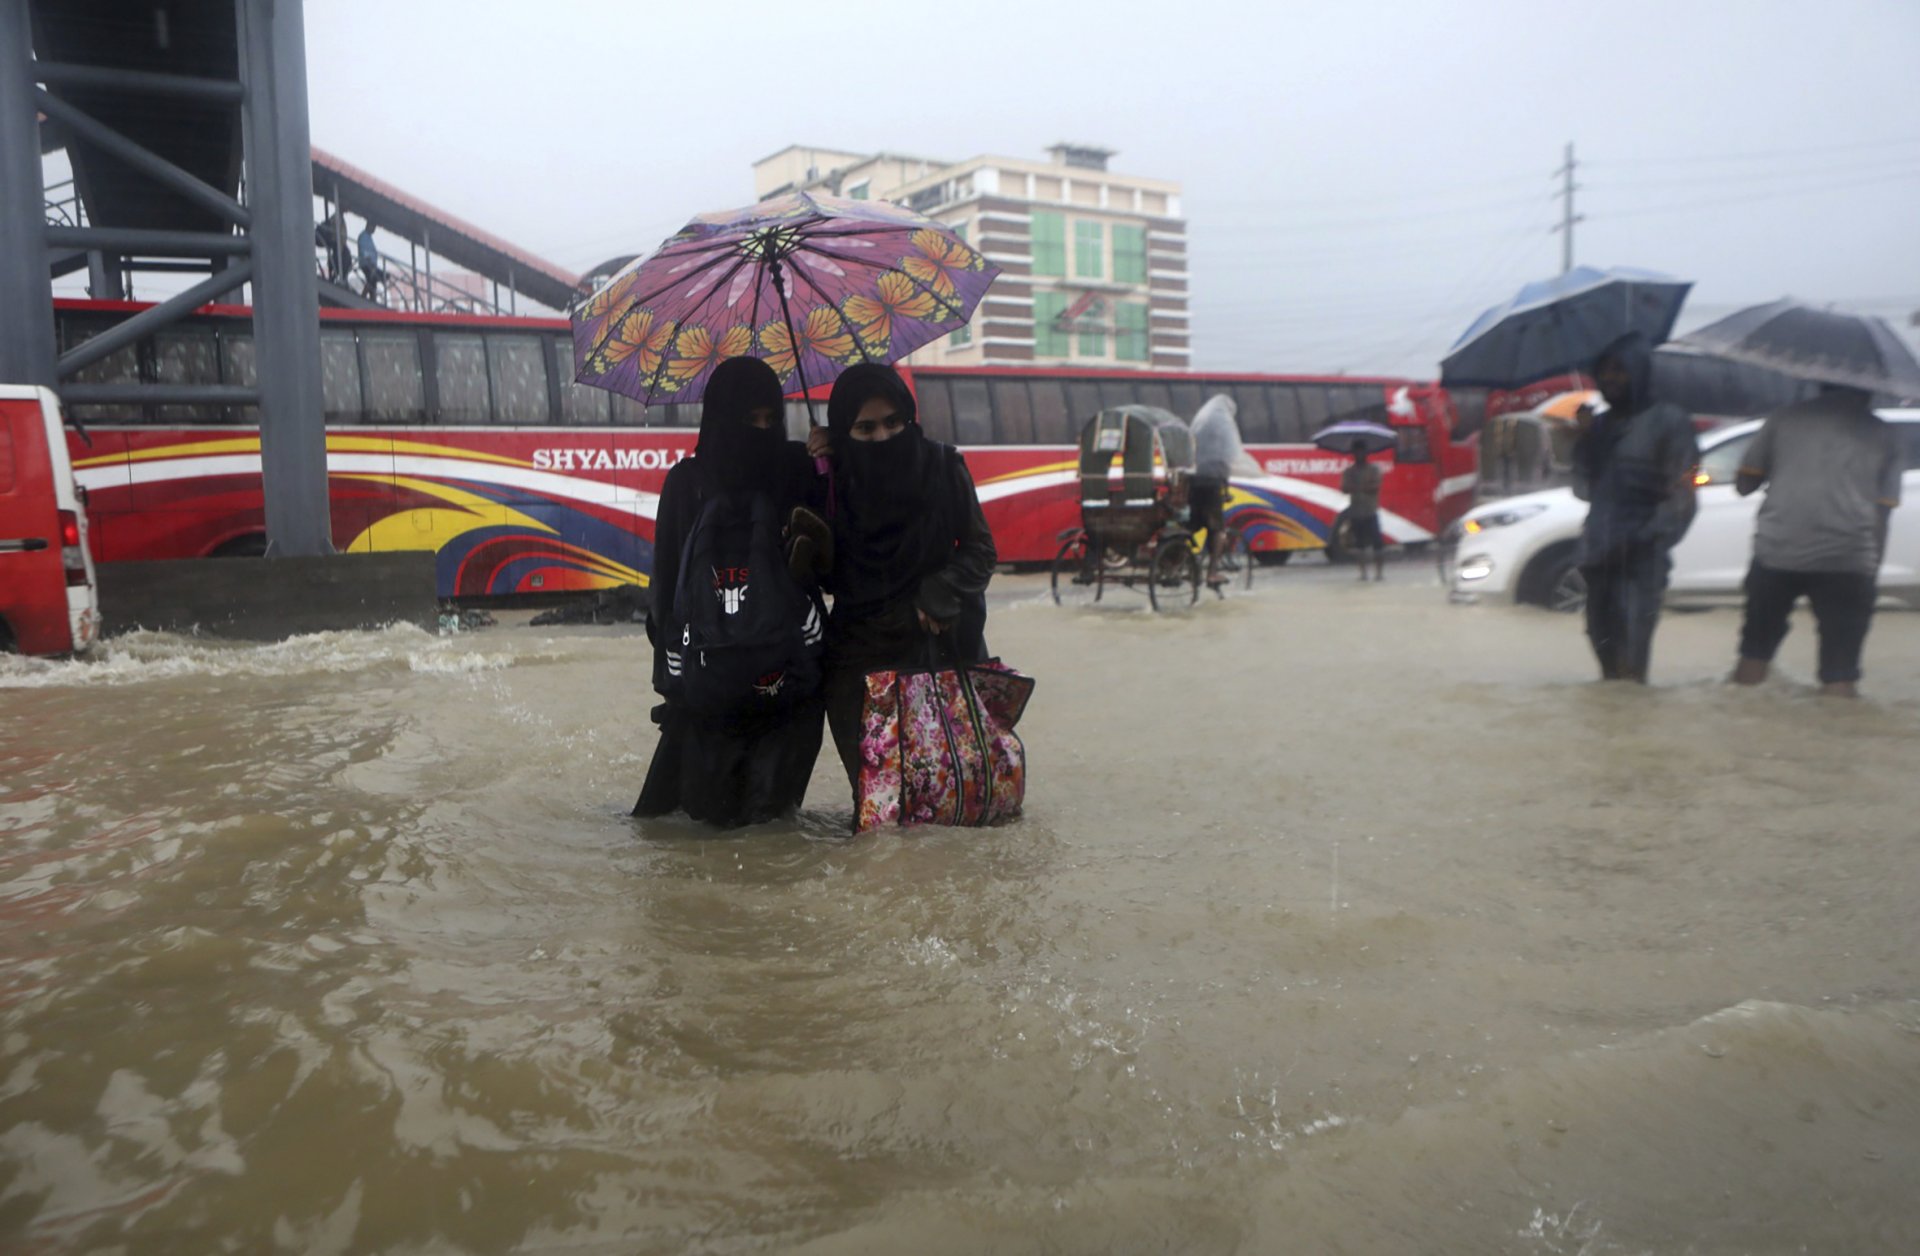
(821, 466)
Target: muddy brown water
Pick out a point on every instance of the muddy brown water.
(1342, 920)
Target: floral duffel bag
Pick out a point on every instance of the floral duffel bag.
(937, 746)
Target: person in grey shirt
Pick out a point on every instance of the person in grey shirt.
(1832, 470)
(1633, 466)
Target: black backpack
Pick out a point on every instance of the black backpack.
(745, 637)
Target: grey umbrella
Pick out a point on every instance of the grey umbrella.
(1826, 346)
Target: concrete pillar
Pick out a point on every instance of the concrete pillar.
(286, 294)
(26, 287)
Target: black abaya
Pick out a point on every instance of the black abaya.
(747, 769)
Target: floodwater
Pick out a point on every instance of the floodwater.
(1342, 920)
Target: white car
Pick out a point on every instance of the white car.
(1521, 549)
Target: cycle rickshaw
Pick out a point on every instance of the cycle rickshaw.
(1136, 465)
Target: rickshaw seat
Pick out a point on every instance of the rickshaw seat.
(1131, 439)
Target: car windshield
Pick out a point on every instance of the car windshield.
(1721, 463)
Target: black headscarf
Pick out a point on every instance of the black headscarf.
(732, 451)
(893, 514)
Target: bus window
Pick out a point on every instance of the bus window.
(1012, 413)
(518, 372)
(1256, 421)
(1412, 446)
(1052, 421)
(799, 418)
(1155, 394)
(935, 407)
(1117, 392)
(460, 370)
(972, 412)
(1350, 397)
(1288, 427)
(390, 368)
(119, 367)
(626, 411)
(1083, 402)
(339, 375)
(1188, 398)
(1313, 407)
(186, 355)
(581, 405)
(687, 414)
(236, 367)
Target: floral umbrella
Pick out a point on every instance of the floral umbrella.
(811, 284)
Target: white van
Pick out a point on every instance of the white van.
(47, 599)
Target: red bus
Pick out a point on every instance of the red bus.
(465, 435)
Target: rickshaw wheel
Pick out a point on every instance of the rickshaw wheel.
(1174, 565)
(1236, 559)
(1074, 578)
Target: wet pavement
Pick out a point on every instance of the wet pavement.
(1342, 920)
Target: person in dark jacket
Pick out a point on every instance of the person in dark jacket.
(911, 551)
(743, 769)
(1634, 467)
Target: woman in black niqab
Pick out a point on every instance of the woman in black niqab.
(743, 770)
(912, 554)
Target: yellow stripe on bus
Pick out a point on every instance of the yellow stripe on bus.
(335, 445)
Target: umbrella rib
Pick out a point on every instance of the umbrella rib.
(835, 235)
(612, 325)
(679, 328)
(837, 308)
(951, 305)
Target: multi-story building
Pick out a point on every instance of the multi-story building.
(1093, 263)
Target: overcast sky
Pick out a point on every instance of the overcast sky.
(1359, 178)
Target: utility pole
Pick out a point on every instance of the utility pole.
(1567, 216)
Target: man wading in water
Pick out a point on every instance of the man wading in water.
(1361, 483)
(1832, 470)
(1634, 467)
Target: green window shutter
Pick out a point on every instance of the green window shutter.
(858, 192)
(1093, 344)
(1129, 254)
(1089, 249)
(1049, 342)
(1049, 245)
(962, 336)
(1130, 345)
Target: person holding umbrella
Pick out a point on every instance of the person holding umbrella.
(1832, 470)
(912, 553)
(1634, 467)
(744, 766)
(1361, 483)
(1361, 434)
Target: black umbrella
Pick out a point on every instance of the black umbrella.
(1825, 346)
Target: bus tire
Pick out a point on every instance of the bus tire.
(7, 644)
(247, 545)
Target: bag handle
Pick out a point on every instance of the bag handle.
(975, 709)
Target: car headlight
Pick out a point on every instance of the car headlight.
(1503, 518)
(1474, 567)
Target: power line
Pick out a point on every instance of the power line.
(1750, 198)
(1792, 174)
(1704, 158)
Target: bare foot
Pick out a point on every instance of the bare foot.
(1840, 689)
(1750, 671)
